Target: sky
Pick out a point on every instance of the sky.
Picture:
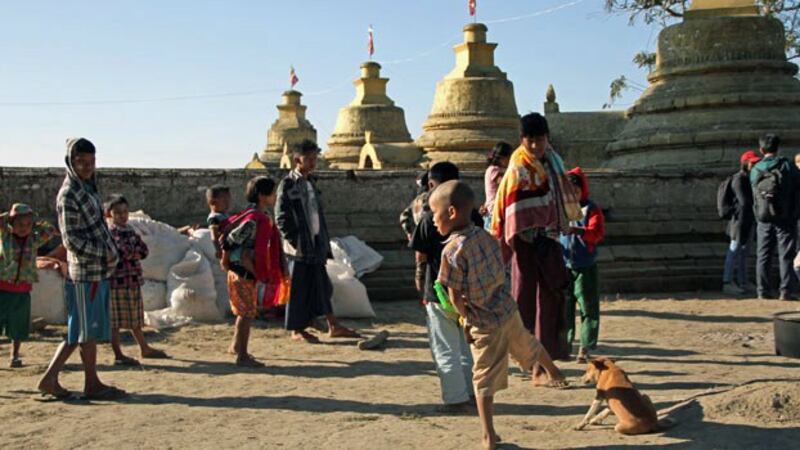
(194, 84)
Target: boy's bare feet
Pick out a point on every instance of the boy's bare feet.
(490, 442)
(304, 336)
(340, 331)
(544, 379)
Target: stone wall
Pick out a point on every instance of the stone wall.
(662, 230)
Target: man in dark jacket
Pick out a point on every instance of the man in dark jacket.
(301, 221)
(782, 226)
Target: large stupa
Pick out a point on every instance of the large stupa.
(473, 107)
(721, 80)
(290, 129)
(370, 111)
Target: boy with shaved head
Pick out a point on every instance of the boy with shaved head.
(473, 272)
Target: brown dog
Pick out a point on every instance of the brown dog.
(635, 411)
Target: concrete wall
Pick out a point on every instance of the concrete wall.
(662, 230)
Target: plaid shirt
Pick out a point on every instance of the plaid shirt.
(91, 253)
(131, 250)
(472, 264)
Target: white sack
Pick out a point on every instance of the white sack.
(354, 253)
(190, 289)
(202, 242)
(350, 298)
(47, 297)
(154, 295)
(165, 245)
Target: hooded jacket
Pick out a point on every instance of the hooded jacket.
(771, 162)
(580, 250)
(91, 252)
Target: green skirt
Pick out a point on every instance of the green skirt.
(15, 314)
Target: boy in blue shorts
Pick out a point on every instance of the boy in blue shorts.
(92, 258)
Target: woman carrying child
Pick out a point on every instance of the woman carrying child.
(251, 253)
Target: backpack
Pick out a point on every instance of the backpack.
(773, 196)
(726, 199)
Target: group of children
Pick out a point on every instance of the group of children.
(267, 260)
(478, 322)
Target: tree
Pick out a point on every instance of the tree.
(662, 12)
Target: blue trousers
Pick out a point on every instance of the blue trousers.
(451, 354)
(736, 264)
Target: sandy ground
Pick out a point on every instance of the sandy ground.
(335, 396)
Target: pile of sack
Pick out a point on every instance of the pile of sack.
(183, 281)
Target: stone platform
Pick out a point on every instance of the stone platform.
(662, 229)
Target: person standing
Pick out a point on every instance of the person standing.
(92, 259)
(530, 212)
(301, 220)
(775, 181)
(740, 227)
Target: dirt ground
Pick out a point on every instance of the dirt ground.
(335, 396)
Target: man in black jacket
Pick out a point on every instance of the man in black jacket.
(301, 221)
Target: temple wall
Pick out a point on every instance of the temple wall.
(662, 230)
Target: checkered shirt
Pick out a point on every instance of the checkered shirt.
(472, 263)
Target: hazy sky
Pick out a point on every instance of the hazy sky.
(178, 83)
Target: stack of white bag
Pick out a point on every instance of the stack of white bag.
(179, 283)
(47, 297)
(352, 258)
(201, 241)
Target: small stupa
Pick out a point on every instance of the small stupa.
(388, 155)
(290, 128)
(721, 80)
(371, 110)
(473, 107)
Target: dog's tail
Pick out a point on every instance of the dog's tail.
(665, 423)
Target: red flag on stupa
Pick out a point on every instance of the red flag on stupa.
(293, 76)
(473, 5)
(371, 43)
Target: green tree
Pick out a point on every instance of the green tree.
(663, 12)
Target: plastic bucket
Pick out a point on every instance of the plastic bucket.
(787, 334)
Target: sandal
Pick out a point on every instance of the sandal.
(155, 354)
(61, 396)
(374, 342)
(126, 361)
(343, 332)
(305, 336)
(249, 361)
(109, 393)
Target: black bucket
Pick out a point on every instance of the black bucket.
(787, 334)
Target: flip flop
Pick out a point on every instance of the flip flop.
(156, 354)
(126, 362)
(375, 341)
(110, 393)
(344, 332)
(250, 362)
(48, 397)
(306, 337)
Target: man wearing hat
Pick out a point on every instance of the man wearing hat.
(20, 239)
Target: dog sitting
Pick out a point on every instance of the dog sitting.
(635, 411)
